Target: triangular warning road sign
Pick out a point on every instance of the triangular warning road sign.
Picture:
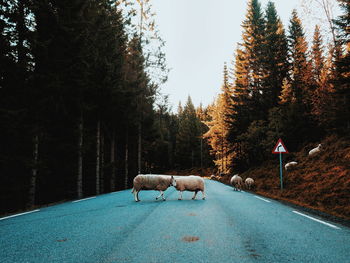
(280, 148)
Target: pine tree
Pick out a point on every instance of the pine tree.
(276, 52)
(221, 115)
(317, 55)
(253, 46)
(188, 137)
(322, 76)
(299, 66)
(342, 86)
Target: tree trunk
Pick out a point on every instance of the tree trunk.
(98, 146)
(102, 162)
(80, 157)
(139, 154)
(32, 189)
(113, 161)
(126, 159)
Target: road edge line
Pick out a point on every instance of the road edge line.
(262, 199)
(317, 220)
(76, 201)
(7, 217)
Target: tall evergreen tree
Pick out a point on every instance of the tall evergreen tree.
(342, 81)
(276, 54)
(188, 137)
(253, 46)
(299, 66)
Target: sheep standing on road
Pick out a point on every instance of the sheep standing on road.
(249, 183)
(152, 182)
(315, 150)
(290, 165)
(190, 183)
(236, 182)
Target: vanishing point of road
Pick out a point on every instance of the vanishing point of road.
(228, 226)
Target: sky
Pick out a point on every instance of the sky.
(200, 36)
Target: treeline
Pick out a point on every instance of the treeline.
(79, 111)
(281, 86)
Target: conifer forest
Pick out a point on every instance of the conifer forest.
(82, 111)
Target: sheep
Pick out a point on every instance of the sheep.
(290, 165)
(249, 183)
(237, 182)
(190, 183)
(152, 182)
(212, 177)
(315, 150)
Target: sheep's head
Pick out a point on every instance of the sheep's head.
(172, 181)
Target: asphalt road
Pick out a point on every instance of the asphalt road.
(228, 226)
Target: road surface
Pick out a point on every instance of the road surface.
(228, 226)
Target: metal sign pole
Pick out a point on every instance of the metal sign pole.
(281, 170)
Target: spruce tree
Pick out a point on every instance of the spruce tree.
(253, 46)
(188, 137)
(299, 66)
(276, 54)
(341, 83)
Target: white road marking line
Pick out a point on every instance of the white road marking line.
(317, 220)
(20, 214)
(83, 199)
(262, 199)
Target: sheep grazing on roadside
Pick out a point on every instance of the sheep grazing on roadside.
(290, 165)
(249, 183)
(236, 182)
(190, 183)
(315, 150)
(152, 182)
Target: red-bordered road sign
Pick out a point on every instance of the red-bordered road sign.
(280, 147)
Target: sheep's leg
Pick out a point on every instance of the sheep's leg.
(136, 195)
(203, 195)
(138, 199)
(180, 196)
(195, 194)
(160, 195)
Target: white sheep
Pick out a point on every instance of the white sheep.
(190, 183)
(249, 183)
(315, 150)
(290, 165)
(236, 182)
(212, 177)
(152, 182)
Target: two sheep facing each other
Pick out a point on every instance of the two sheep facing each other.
(162, 182)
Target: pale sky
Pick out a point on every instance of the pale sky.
(200, 36)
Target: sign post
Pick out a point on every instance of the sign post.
(279, 149)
